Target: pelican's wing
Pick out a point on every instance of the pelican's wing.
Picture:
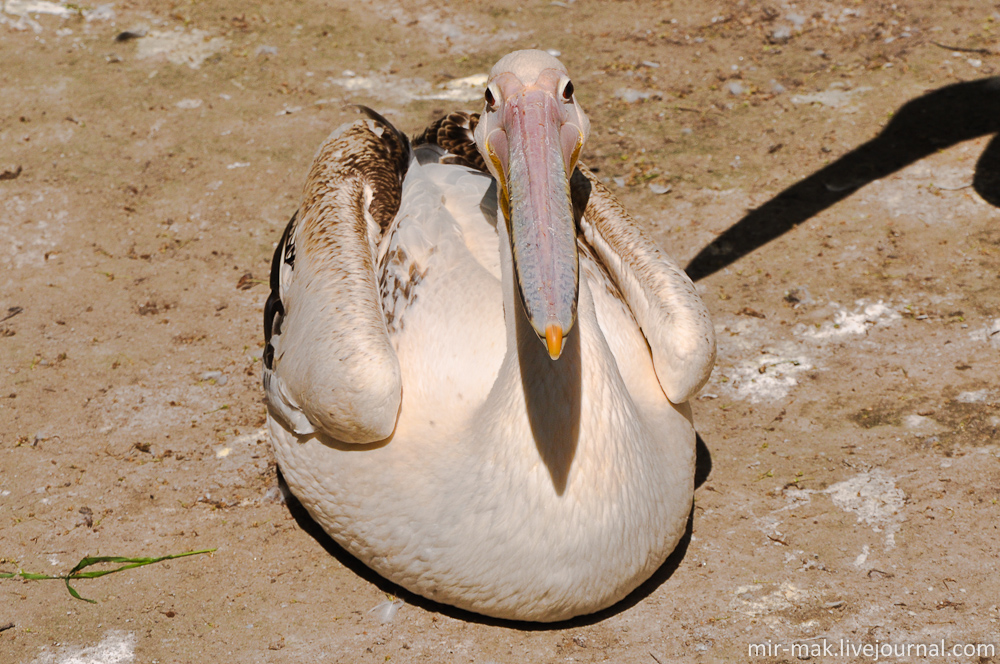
(453, 133)
(328, 362)
(662, 298)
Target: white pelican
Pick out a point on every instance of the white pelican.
(477, 381)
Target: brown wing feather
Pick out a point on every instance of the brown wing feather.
(382, 159)
(329, 364)
(454, 133)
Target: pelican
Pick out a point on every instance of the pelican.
(477, 365)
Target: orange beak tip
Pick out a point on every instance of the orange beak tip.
(554, 341)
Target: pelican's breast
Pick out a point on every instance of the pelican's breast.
(440, 285)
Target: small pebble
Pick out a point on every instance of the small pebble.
(630, 95)
(10, 171)
(780, 34)
(132, 33)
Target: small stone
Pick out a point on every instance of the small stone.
(10, 171)
(630, 96)
(132, 33)
(780, 35)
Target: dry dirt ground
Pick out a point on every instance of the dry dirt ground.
(829, 171)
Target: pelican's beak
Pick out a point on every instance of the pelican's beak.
(532, 141)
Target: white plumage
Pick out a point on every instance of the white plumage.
(415, 414)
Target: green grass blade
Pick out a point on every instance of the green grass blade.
(72, 591)
(78, 573)
(27, 575)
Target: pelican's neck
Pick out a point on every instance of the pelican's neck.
(549, 392)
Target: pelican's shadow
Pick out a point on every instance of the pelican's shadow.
(921, 127)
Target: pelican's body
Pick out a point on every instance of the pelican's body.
(509, 483)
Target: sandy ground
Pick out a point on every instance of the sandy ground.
(829, 171)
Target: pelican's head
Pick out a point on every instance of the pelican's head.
(530, 134)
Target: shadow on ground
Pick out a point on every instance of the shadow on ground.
(921, 127)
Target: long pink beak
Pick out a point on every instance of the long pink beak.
(540, 224)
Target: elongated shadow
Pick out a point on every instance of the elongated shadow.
(552, 395)
(929, 123)
(986, 181)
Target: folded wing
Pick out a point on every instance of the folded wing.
(662, 298)
(328, 362)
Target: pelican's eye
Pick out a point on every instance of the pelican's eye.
(567, 92)
(490, 99)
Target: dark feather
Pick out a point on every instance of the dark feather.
(274, 310)
(454, 133)
(383, 162)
